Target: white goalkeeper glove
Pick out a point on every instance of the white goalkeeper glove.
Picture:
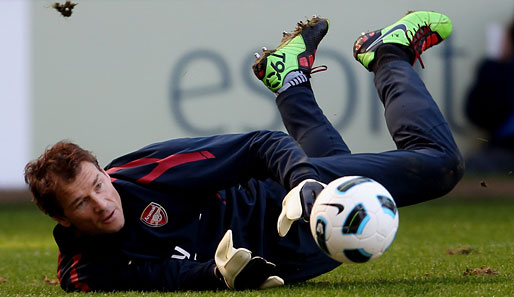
(298, 204)
(240, 270)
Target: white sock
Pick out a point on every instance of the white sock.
(293, 78)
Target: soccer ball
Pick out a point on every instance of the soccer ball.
(354, 219)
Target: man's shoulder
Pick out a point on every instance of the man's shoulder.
(69, 242)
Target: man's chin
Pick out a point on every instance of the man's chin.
(114, 227)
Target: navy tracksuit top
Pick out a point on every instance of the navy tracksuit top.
(179, 197)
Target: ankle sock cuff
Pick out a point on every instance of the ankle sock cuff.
(293, 78)
(391, 52)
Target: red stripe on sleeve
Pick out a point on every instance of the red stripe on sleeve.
(74, 276)
(170, 162)
(59, 261)
(163, 165)
(207, 155)
(135, 163)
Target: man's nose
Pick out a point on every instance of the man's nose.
(99, 202)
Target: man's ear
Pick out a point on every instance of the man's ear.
(62, 221)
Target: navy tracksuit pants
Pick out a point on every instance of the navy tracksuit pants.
(427, 163)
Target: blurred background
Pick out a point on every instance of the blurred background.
(119, 74)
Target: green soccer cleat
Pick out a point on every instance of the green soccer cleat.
(418, 30)
(296, 52)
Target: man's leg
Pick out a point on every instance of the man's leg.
(427, 163)
(286, 72)
(305, 122)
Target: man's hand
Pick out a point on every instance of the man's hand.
(242, 271)
(298, 204)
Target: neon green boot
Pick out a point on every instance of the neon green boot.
(296, 52)
(418, 30)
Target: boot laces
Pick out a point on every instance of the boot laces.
(419, 42)
(317, 69)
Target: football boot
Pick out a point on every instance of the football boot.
(296, 52)
(418, 30)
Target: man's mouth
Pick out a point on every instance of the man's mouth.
(108, 219)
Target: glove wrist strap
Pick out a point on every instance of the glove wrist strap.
(219, 276)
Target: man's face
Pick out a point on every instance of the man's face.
(91, 203)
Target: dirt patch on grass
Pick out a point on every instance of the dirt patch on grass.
(459, 251)
(480, 271)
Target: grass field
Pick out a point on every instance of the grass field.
(449, 247)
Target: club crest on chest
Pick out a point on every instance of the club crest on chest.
(154, 215)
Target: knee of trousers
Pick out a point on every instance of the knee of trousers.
(452, 169)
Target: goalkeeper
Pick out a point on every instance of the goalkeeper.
(201, 213)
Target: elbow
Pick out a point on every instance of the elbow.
(69, 287)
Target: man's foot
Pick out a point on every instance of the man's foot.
(417, 30)
(296, 52)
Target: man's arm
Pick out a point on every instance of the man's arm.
(217, 162)
(82, 272)
(98, 263)
(109, 269)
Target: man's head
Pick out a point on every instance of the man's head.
(68, 184)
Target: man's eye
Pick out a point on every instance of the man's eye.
(99, 186)
(82, 202)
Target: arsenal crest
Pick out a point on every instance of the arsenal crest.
(154, 215)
